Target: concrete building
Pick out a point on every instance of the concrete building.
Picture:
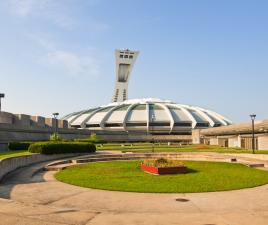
(142, 119)
(146, 116)
(146, 120)
(237, 135)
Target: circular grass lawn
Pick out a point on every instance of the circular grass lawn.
(127, 176)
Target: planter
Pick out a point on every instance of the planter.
(164, 170)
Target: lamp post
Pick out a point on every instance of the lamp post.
(152, 120)
(2, 95)
(55, 115)
(253, 116)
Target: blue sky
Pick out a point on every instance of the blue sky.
(59, 55)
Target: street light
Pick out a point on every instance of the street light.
(253, 116)
(152, 120)
(55, 115)
(2, 95)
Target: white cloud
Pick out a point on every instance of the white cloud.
(67, 62)
(53, 10)
(72, 63)
(27, 7)
(58, 12)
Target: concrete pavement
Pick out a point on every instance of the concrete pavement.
(31, 197)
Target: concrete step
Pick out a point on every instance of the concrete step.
(106, 159)
(102, 157)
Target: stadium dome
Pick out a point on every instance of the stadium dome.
(147, 116)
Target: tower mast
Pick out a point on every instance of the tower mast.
(125, 60)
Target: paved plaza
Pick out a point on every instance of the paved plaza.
(28, 196)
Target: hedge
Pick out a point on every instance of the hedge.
(19, 145)
(61, 147)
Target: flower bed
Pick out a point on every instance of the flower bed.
(163, 166)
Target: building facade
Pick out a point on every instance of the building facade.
(236, 135)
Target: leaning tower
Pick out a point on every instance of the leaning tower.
(125, 60)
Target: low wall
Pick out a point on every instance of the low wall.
(21, 127)
(9, 164)
(10, 133)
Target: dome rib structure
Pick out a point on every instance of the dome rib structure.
(146, 116)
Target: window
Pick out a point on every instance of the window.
(131, 56)
(202, 124)
(155, 124)
(76, 126)
(183, 124)
(121, 56)
(92, 125)
(139, 107)
(155, 107)
(125, 56)
(136, 124)
(113, 125)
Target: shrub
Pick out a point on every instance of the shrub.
(55, 137)
(19, 145)
(61, 147)
(162, 162)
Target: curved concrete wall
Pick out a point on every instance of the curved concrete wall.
(9, 164)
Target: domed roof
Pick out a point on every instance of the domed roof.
(146, 115)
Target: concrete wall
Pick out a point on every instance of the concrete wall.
(6, 118)
(234, 142)
(263, 142)
(15, 133)
(38, 121)
(196, 136)
(214, 141)
(21, 127)
(10, 164)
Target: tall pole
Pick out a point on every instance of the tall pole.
(253, 116)
(56, 125)
(152, 119)
(253, 137)
(1, 96)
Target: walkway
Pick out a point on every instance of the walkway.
(31, 197)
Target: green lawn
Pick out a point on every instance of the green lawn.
(127, 176)
(147, 147)
(8, 154)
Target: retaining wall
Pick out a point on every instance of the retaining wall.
(9, 164)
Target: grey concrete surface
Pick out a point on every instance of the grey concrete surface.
(27, 197)
(9, 164)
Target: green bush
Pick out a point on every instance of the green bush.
(55, 137)
(61, 147)
(19, 145)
